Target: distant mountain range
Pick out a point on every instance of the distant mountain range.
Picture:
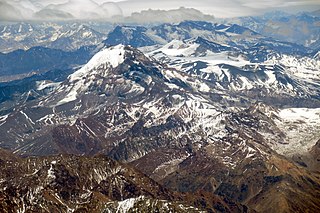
(63, 36)
(40, 59)
(302, 28)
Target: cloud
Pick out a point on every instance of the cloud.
(57, 10)
(105, 9)
(8, 12)
(218, 8)
(52, 14)
(169, 16)
(211, 6)
(86, 9)
(16, 10)
(262, 4)
(112, 9)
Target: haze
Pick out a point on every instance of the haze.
(20, 10)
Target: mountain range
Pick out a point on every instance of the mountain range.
(63, 36)
(187, 117)
(302, 28)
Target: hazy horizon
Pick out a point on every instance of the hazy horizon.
(102, 10)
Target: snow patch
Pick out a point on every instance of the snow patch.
(72, 95)
(3, 119)
(51, 174)
(178, 48)
(27, 117)
(112, 56)
(127, 205)
(301, 127)
(46, 84)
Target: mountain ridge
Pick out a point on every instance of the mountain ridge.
(235, 116)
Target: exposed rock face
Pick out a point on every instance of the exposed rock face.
(315, 151)
(97, 184)
(310, 159)
(196, 126)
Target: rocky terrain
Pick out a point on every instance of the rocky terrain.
(219, 119)
(68, 183)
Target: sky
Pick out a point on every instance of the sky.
(21, 10)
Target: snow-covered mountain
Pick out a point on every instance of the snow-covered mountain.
(230, 35)
(67, 37)
(218, 111)
(80, 42)
(238, 119)
(135, 36)
(231, 69)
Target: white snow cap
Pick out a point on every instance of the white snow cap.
(112, 56)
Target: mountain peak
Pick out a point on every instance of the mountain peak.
(135, 36)
(117, 67)
(112, 56)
